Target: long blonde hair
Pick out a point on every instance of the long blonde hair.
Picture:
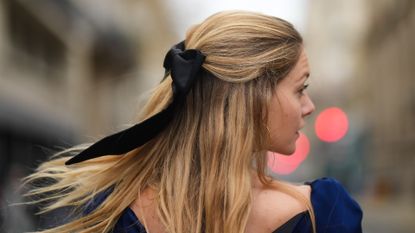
(201, 164)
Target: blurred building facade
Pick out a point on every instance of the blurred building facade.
(70, 71)
(366, 50)
(389, 65)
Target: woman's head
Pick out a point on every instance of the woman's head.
(247, 54)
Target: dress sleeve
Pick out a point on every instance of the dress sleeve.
(335, 210)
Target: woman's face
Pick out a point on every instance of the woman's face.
(288, 108)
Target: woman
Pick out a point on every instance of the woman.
(234, 89)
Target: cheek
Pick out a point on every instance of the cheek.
(294, 107)
(280, 113)
(274, 117)
(284, 114)
(290, 106)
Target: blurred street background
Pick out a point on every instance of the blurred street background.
(72, 71)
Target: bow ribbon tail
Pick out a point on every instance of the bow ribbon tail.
(128, 139)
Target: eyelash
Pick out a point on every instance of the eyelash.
(303, 89)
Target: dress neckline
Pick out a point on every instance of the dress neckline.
(287, 227)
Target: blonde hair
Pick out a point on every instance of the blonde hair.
(201, 164)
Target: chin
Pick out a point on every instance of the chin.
(290, 152)
(284, 151)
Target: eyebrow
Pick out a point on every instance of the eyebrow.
(306, 75)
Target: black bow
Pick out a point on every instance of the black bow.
(183, 66)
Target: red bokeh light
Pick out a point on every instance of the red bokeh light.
(286, 164)
(331, 125)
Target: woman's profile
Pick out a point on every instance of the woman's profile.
(196, 161)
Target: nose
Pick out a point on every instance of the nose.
(308, 106)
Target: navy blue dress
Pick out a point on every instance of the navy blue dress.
(335, 212)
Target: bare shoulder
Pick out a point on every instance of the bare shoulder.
(304, 189)
(272, 207)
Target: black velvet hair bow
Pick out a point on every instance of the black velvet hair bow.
(183, 66)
